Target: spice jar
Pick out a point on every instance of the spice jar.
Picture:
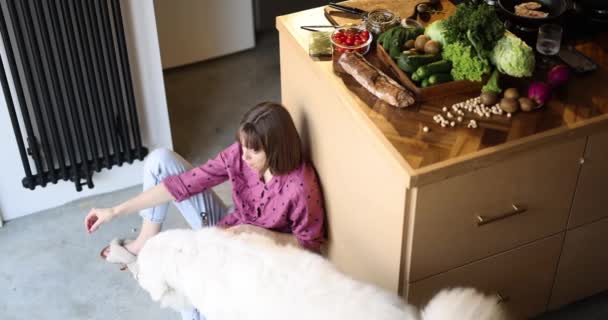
(380, 20)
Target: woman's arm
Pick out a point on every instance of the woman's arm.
(149, 198)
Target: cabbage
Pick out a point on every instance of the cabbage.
(512, 56)
(435, 31)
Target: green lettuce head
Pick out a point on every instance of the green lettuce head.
(513, 57)
(466, 63)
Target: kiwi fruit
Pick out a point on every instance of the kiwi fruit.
(509, 104)
(488, 98)
(421, 40)
(432, 47)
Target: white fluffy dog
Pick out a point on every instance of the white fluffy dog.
(248, 276)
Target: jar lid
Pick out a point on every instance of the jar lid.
(382, 17)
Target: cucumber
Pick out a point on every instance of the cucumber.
(415, 77)
(425, 83)
(442, 66)
(438, 78)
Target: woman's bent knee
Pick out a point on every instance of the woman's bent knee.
(159, 158)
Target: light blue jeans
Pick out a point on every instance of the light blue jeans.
(201, 210)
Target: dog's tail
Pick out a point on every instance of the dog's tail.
(463, 304)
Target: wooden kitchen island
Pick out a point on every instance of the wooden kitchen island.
(514, 207)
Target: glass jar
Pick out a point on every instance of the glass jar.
(380, 20)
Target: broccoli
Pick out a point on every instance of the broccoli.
(492, 84)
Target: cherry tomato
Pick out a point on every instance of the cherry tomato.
(358, 42)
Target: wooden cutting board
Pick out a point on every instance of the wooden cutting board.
(403, 8)
(431, 105)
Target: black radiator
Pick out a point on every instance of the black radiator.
(69, 66)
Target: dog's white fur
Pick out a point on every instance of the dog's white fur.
(248, 276)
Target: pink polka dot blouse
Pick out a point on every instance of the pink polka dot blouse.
(289, 203)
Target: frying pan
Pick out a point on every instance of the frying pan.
(594, 4)
(555, 8)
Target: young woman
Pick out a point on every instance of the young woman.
(273, 188)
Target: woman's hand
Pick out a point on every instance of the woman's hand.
(97, 217)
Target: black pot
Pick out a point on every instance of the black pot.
(555, 8)
(593, 4)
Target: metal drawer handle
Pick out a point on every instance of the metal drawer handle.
(502, 299)
(481, 220)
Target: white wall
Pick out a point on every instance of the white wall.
(144, 56)
(197, 30)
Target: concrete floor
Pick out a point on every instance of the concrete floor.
(50, 267)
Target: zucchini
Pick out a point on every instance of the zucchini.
(404, 64)
(412, 33)
(438, 78)
(425, 83)
(409, 63)
(386, 37)
(396, 42)
(442, 66)
(424, 59)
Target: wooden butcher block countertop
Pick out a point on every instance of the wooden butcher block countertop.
(580, 108)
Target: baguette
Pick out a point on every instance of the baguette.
(375, 81)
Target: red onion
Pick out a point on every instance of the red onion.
(540, 92)
(558, 75)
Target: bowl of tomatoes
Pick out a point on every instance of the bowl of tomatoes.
(351, 39)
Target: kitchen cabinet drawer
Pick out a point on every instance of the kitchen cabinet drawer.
(448, 231)
(589, 199)
(583, 264)
(522, 277)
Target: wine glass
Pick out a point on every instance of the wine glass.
(548, 41)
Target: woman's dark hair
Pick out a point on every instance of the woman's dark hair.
(269, 127)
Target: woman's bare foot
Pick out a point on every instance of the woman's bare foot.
(148, 230)
(135, 246)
